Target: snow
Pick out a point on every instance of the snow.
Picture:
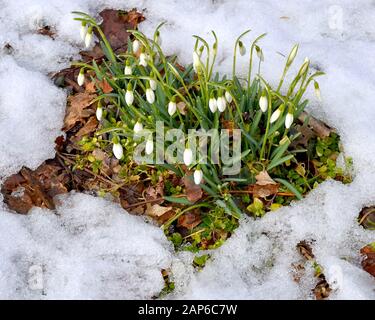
(80, 249)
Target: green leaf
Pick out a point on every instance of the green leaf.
(290, 187)
(178, 200)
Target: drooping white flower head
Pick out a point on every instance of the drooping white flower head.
(118, 151)
(99, 113)
(228, 96)
(188, 157)
(317, 91)
(275, 115)
(221, 104)
(198, 176)
(158, 39)
(150, 95)
(263, 102)
(83, 31)
(128, 68)
(149, 146)
(143, 59)
(153, 84)
(289, 120)
(138, 127)
(88, 37)
(259, 52)
(172, 107)
(81, 77)
(136, 45)
(212, 104)
(196, 61)
(129, 95)
(241, 48)
(292, 55)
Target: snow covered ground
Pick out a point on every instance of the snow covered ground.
(91, 249)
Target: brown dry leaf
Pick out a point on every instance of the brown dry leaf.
(157, 210)
(76, 110)
(90, 87)
(181, 106)
(304, 248)
(366, 217)
(193, 192)
(47, 31)
(189, 220)
(319, 127)
(368, 262)
(105, 86)
(264, 186)
(89, 127)
(322, 289)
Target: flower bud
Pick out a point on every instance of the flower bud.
(289, 120)
(83, 30)
(143, 59)
(276, 114)
(263, 102)
(150, 95)
(153, 84)
(149, 146)
(128, 69)
(228, 96)
(259, 52)
(99, 113)
(172, 107)
(221, 104)
(138, 127)
(317, 90)
(292, 55)
(129, 95)
(118, 151)
(196, 61)
(212, 103)
(81, 77)
(198, 176)
(241, 48)
(88, 37)
(188, 157)
(136, 45)
(158, 39)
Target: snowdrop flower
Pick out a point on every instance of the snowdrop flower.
(242, 48)
(228, 96)
(128, 69)
(188, 157)
(136, 45)
(276, 114)
(221, 104)
(149, 146)
(263, 102)
(305, 66)
(196, 61)
(81, 77)
(292, 55)
(83, 30)
(172, 107)
(158, 38)
(99, 113)
(118, 151)
(212, 103)
(153, 83)
(259, 52)
(143, 59)
(198, 176)
(150, 95)
(138, 127)
(129, 95)
(88, 37)
(289, 120)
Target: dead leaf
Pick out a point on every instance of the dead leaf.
(89, 127)
(76, 110)
(193, 191)
(181, 106)
(47, 31)
(264, 185)
(368, 262)
(304, 248)
(189, 220)
(157, 210)
(322, 289)
(319, 127)
(366, 217)
(105, 86)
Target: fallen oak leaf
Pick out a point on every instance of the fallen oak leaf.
(156, 210)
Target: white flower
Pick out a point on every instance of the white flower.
(212, 103)
(81, 78)
(317, 91)
(221, 104)
(83, 32)
(275, 115)
(305, 66)
(99, 113)
(196, 61)
(263, 103)
(153, 84)
(136, 46)
(259, 52)
(150, 96)
(149, 146)
(138, 127)
(292, 55)
(129, 97)
(242, 48)
(118, 151)
(158, 38)
(198, 175)
(128, 70)
(88, 37)
(188, 157)
(228, 96)
(143, 59)
(289, 120)
(172, 107)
